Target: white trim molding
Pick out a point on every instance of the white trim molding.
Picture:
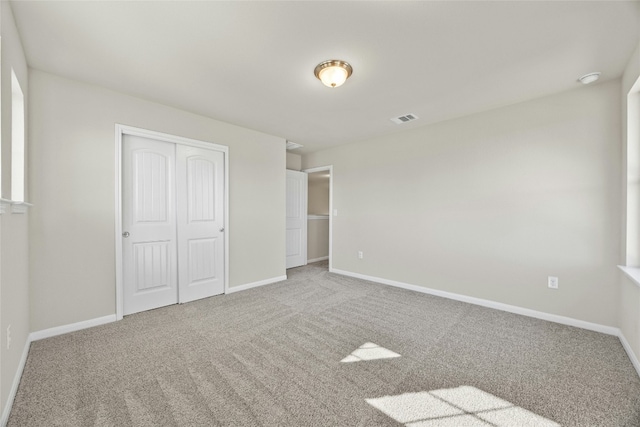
(240, 288)
(35, 336)
(4, 205)
(322, 217)
(16, 207)
(51, 332)
(632, 272)
(632, 356)
(65, 329)
(609, 330)
(322, 258)
(20, 207)
(16, 382)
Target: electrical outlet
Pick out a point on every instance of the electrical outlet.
(553, 282)
(335, 212)
(360, 255)
(8, 337)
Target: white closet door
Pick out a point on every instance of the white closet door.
(296, 219)
(148, 224)
(200, 213)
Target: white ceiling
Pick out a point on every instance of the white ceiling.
(251, 63)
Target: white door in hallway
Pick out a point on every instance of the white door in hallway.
(172, 222)
(296, 219)
(148, 224)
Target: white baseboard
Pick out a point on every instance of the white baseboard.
(609, 330)
(38, 335)
(51, 332)
(64, 329)
(322, 258)
(256, 284)
(16, 383)
(630, 353)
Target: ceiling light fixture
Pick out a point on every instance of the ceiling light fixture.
(589, 78)
(333, 73)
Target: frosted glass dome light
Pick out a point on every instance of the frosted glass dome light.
(333, 73)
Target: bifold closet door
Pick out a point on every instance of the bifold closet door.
(200, 214)
(172, 222)
(148, 224)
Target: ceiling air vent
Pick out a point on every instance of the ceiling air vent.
(292, 145)
(404, 119)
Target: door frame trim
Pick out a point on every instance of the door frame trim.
(330, 169)
(121, 131)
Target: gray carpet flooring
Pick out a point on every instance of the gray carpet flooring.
(313, 351)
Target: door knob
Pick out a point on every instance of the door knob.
(125, 234)
(222, 230)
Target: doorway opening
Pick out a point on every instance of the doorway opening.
(320, 216)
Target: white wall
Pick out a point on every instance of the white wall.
(317, 238)
(72, 184)
(490, 205)
(318, 204)
(14, 233)
(318, 193)
(629, 303)
(294, 161)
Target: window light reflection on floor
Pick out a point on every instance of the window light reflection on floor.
(463, 406)
(369, 351)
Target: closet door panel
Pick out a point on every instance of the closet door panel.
(149, 224)
(200, 221)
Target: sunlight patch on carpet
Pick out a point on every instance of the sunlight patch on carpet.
(463, 406)
(369, 351)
